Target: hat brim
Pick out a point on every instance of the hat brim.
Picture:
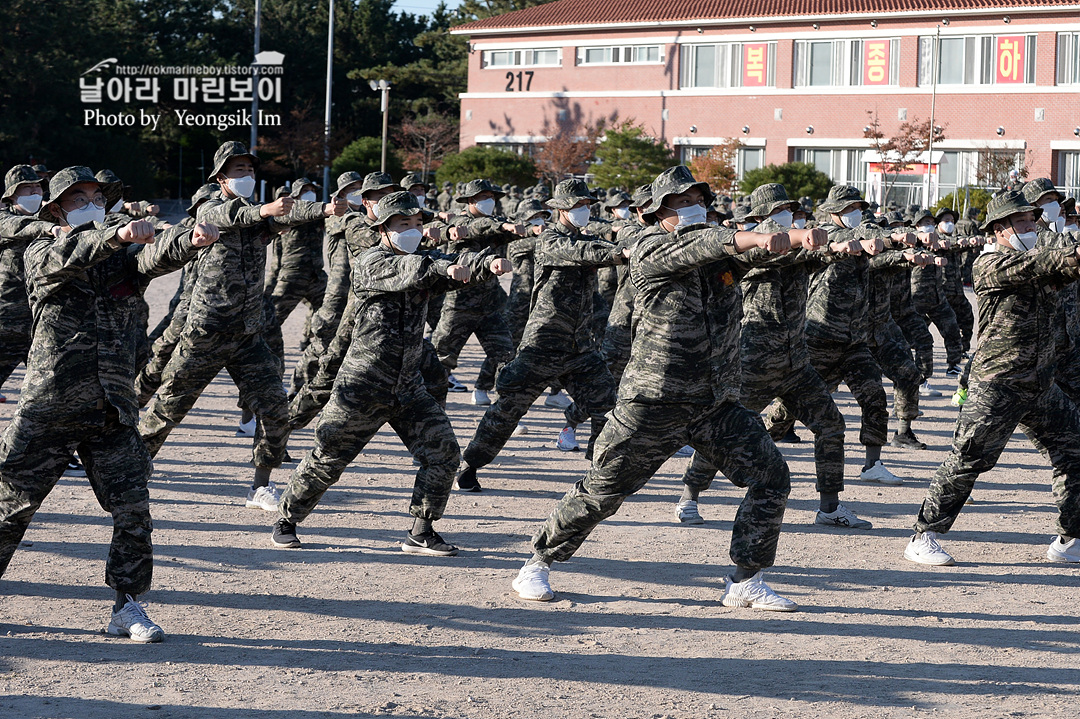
(567, 203)
(225, 160)
(987, 226)
(766, 210)
(407, 213)
(831, 207)
(658, 200)
(10, 190)
(464, 199)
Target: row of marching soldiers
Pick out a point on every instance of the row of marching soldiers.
(707, 321)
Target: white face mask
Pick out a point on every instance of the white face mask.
(925, 228)
(1050, 211)
(90, 213)
(623, 213)
(356, 199)
(485, 207)
(538, 221)
(852, 219)
(30, 203)
(1059, 224)
(1023, 241)
(119, 205)
(1070, 228)
(692, 215)
(307, 196)
(242, 186)
(406, 241)
(747, 226)
(799, 224)
(579, 216)
(421, 200)
(947, 227)
(782, 218)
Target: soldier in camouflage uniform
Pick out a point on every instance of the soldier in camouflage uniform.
(969, 227)
(558, 342)
(928, 294)
(18, 225)
(531, 213)
(380, 381)
(618, 335)
(953, 275)
(775, 362)
(837, 326)
(226, 319)
(681, 385)
(83, 278)
(478, 307)
(1012, 380)
(912, 323)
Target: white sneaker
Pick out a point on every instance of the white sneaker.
(559, 400)
(878, 473)
(568, 440)
(685, 451)
(131, 621)
(1059, 551)
(841, 517)
(264, 498)
(924, 549)
(927, 390)
(520, 429)
(756, 594)
(480, 398)
(246, 429)
(686, 511)
(453, 385)
(532, 583)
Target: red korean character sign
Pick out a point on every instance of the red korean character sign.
(755, 64)
(876, 62)
(1010, 58)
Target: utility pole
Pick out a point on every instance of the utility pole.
(326, 118)
(255, 81)
(384, 87)
(933, 107)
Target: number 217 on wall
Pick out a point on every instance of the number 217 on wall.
(523, 83)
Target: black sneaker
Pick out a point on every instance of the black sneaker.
(453, 385)
(907, 440)
(74, 469)
(286, 458)
(285, 534)
(954, 371)
(791, 437)
(466, 480)
(430, 543)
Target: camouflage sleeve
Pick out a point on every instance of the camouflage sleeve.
(601, 228)
(887, 259)
(380, 270)
(50, 262)
(19, 228)
(229, 214)
(521, 249)
(302, 213)
(171, 250)
(479, 264)
(555, 250)
(628, 234)
(680, 252)
(1005, 270)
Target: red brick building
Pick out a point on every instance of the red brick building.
(793, 79)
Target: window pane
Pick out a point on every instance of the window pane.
(597, 54)
(821, 159)
(547, 57)
(948, 170)
(652, 54)
(501, 57)
(821, 63)
(705, 66)
(951, 64)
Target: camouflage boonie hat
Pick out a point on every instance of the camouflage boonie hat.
(946, 211)
(1005, 205)
(542, 191)
(527, 208)
(111, 186)
(399, 202)
(973, 212)
(840, 196)
(413, 179)
(228, 151)
(641, 198)
(741, 214)
(675, 181)
(378, 181)
(203, 193)
(1035, 190)
(298, 187)
(475, 187)
(345, 179)
(41, 168)
(63, 181)
(19, 175)
(568, 193)
(769, 198)
(921, 214)
(1068, 207)
(894, 217)
(615, 199)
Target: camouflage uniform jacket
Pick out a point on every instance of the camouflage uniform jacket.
(1018, 312)
(16, 231)
(889, 278)
(83, 293)
(520, 252)
(622, 308)
(340, 252)
(391, 294)
(227, 297)
(928, 283)
(686, 316)
(837, 311)
(483, 233)
(564, 282)
(1069, 305)
(301, 253)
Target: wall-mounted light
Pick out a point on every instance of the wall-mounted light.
(873, 23)
(693, 129)
(1000, 131)
(817, 27)
(945, 21)
(700, 31)
(753, 29)
(1006, 19)
(1076, 131)
(866, 130)
(746, 130)
(809, 129)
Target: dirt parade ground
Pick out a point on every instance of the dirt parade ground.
(349, 625)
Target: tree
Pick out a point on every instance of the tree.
(425, 140)
(627, 157)
(570, 147)
(898, 152)
(800, 179)
(364, 155)
(296, 148)
(963, 199)
(491, 163)
(717, 166)
(994, 166)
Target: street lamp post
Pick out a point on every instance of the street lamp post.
(384, 87)
(326, 119)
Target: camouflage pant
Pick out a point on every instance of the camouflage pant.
(965, 318)
(525, 378)
(14, 346)
(272, 335)
(142, 343)
(640, 437)
(288, 294)
(161, 351)
(854, 366)
(616, 349)
(987, 420)
(454, 329)
(34, 455)
(601, 310)
(812, 404)
(944, 318)
(348, 423)
(893, 355)
(918, 336)
(195, 363)
(324, 327)
(1068, 374)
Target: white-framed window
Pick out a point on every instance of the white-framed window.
(729, 64)
(620, 54)
(1068, 58)
(977, 60)
(1068, 171)
(838, 63)
(749, 158)
(522, 58)
(843, 165)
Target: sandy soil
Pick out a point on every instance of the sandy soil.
(351, 626)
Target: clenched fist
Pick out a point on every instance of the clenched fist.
(500, 266)
(459, 233)
(336, 207)
(136, 232)
(278, 208)
(433, 233)
(775, 242)
(872, 246)
(204, 234)
(460, 273)
(809, 239)
(905, 238)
